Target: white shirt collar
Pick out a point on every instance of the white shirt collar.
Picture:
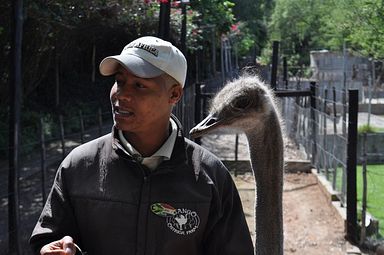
(163, 153)
(167, 148)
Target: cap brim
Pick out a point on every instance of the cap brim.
(136, 65)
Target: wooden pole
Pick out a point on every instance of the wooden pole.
(100, 121)
(198, 98)
(57, 79)
(364, 195)
(93, 78)
(62, 138)
(371, 86)
(237, 147)
(43, 159)
(81, 126)
(14, 128)
(325, 134)
(213, 44)
(222, 59)
(183, 34)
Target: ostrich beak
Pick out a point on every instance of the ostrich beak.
(210, 123)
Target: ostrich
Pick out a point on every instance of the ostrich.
(248, 105)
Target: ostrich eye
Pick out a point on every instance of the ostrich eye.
(241, 103)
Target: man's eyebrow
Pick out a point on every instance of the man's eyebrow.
(119, 75)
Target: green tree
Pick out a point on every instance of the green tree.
(362, 25)
(254, 15)
(297, 24)
(215, 12)
(304, 25)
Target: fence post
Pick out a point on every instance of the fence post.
(198, 99)
(313, 119)
(62, 138)
(100, 115)
(351, 166)
(325, 134)
(164, 20)
(15, 90)
(81, 126)
(334, 138)
(275, 60)
(43, 159)
(237, 147)
(285, 72)
(364, 195)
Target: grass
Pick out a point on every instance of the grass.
(369, 129)
(375, 191)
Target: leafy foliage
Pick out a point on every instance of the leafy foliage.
(254, 15)
(296, 23)
(242, 38)
(215, 12)
(363, 25)
(304, 25)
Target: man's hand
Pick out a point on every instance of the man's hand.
(65, 246)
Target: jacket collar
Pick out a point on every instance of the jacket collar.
(179, 153)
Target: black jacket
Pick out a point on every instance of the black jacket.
(111, 204)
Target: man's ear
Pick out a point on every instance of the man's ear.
(176, 91)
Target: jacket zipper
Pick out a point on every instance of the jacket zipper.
(143, 211)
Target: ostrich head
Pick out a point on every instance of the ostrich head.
(248, 105)
(241, 105)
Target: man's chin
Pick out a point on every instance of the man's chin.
(123, 128)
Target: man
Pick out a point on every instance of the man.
(144, 188)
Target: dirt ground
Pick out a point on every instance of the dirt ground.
(311, 224)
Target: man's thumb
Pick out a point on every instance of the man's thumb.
(68, 245)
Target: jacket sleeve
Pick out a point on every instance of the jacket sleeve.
(228, 232)
(57, 219)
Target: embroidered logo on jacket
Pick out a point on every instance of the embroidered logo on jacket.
(181, 221)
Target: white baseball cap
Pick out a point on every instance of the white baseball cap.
(148, 57)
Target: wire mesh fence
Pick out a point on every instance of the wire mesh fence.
(40, 156)
(321, 131)
(370, 184)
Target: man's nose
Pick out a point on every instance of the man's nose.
(125, 93)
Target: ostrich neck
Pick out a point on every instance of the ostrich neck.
(266, 147)
(266, 152)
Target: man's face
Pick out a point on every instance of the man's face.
(140, 105)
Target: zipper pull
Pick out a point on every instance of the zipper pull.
(138, 158)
